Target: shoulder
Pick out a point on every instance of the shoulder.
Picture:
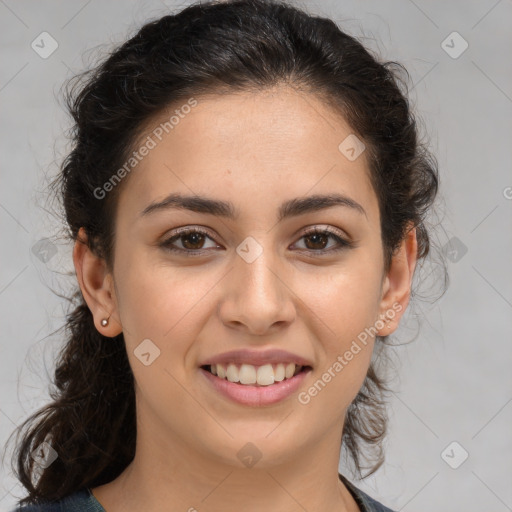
(80, 501)
(371, 505)
(366, 503)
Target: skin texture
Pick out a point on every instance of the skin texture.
(256, 150)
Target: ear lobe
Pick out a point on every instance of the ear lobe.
(97, 286)
(397, 284)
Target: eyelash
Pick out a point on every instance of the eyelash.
(166, 244)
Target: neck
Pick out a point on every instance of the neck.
(166, 471)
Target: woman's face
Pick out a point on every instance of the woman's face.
(255, 282)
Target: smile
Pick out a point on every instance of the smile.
(255, 385)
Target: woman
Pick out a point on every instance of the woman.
(246, 194)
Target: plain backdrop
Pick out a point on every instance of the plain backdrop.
(453, 390)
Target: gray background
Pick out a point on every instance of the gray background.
(453, 381)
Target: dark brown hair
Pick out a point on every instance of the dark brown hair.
(209, 48)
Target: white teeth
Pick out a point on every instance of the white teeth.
(279, 373)
(289, 370)
(247, 374)
(232, 373)
(255, 375)
(265, 375)
(221, 371)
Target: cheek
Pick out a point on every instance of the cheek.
(345, 310)
(163, 304)
(335, 386)
(345, 306)
(345, 300)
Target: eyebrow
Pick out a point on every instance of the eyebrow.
(290, 208)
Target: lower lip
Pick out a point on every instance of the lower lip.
(256, 395)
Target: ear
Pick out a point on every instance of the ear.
(396, 289)
(97, 286)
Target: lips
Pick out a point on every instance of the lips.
(256, 377)
(255, 395)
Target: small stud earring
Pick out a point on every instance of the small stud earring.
(104, 322)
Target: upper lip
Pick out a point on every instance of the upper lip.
(256, 357)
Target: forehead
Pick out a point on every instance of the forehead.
(252, 148)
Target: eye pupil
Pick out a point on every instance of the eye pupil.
(314, 237)
(196, 237)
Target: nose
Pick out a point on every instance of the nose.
(258, 299)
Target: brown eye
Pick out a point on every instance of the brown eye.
(192, 241)
(317, 241)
